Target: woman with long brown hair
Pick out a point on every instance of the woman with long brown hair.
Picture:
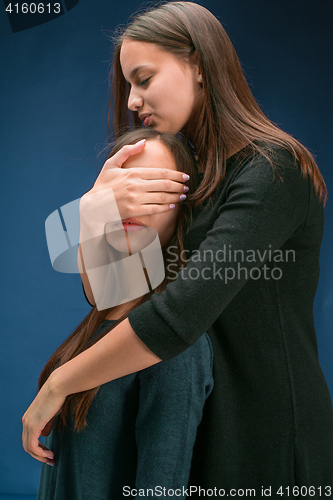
(253, 263)
(146, 422)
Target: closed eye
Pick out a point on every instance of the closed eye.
(144, 82)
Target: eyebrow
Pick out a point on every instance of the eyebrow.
(135, 70)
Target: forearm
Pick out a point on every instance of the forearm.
(117, 354)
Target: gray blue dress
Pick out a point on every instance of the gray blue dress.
(140, 433)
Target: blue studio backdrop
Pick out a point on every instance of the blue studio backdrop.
(54, 85)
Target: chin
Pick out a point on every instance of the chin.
(134, 242)
(163, 128)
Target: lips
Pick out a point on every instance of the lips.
(145, 117)
(131, 225)
(132, 221)
(146, 121)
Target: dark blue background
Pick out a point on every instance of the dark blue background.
(53, 124)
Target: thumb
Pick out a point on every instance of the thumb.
(125, 152)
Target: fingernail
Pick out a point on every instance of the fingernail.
(140, 142)
(182, 197)
(186, 177)
(185, 189)
(50, 463)
(172, 205)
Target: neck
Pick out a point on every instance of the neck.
(128, 276)
(237, 147)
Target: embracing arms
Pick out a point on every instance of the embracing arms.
(259, 210)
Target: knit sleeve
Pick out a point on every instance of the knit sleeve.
(263, 208)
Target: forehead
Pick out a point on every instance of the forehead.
(134, 53)
(154, 155)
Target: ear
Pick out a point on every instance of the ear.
(194, 60)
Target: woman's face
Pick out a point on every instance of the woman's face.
(164, 89)
(129, 238)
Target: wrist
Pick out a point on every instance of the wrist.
(96, 210)
(57, 386)
(90, 223)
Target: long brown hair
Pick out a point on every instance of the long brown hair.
(228, 113)
(84, 336)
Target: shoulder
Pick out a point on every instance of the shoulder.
(270, 159)
(267, 171)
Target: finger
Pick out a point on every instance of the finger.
(34, 447)
(41, 445)
(165, 186)
(158, 198)
(167, 181)
(159, 174)
(39, 452)
(49, 461)
(151, 184)
(152, 209)
(125, 152)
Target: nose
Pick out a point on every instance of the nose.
(135, 100)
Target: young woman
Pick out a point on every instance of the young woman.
(145, 423)
(253, 251)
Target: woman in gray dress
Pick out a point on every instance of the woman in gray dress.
(145, 422)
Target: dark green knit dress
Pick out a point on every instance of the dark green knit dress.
(251, 283)
(140, 433)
